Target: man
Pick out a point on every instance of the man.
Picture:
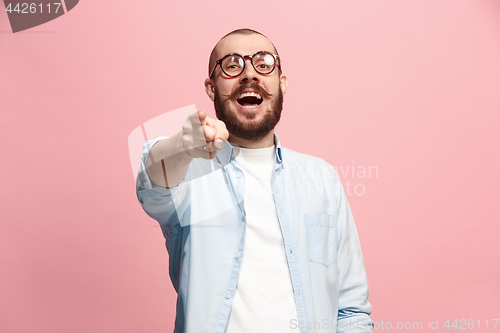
(260, 238)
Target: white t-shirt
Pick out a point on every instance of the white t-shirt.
(263, 301)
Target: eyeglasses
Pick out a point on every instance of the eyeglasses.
(233, 64)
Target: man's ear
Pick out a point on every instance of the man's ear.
(210, 88)
(283, 83)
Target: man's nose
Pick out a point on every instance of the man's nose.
(249, 73)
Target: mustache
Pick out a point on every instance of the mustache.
(262, 92)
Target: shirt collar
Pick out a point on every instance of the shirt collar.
(229, 152)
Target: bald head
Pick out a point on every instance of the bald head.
(219, 49)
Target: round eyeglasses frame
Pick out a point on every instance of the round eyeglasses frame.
(245, 57)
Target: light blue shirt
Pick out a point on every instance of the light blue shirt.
(203, 222)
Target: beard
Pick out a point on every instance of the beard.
(252, 130)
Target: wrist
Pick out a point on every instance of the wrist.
(183, 146)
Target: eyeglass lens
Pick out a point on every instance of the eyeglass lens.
(263, 63)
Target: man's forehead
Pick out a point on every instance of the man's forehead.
(243, 44)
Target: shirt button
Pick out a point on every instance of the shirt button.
(238, 175)
(237, 255)
(243, 213)
(228, 296)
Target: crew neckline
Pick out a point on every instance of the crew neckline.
(257, 154)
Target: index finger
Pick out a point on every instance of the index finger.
(202, 116)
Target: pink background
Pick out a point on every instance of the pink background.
(409, 87)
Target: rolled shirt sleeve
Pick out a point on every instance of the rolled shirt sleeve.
(354, 308)
(165, 205)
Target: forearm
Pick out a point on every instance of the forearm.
(168, 162)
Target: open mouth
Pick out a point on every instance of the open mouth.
(249, 99)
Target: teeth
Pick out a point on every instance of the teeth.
(250, 94)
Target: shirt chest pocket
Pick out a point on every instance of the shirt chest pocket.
(321, 230)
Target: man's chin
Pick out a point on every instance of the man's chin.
(249, 123)
(249, 126)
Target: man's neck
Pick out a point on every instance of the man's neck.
(264, 142)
